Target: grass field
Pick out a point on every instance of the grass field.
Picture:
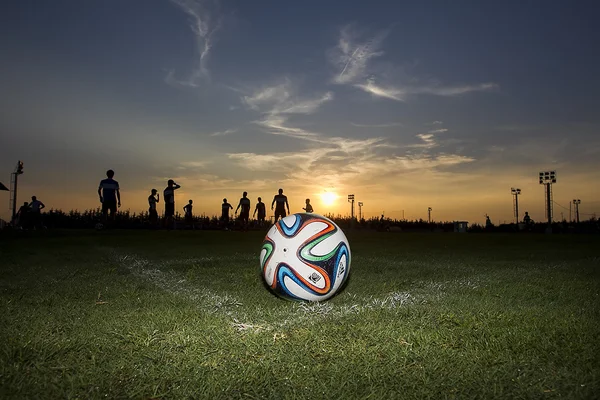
(132, 314)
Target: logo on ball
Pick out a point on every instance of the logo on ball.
(305, 257)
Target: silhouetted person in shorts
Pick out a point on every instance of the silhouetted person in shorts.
(225, 207)
(245, 205)
(110, 196)
(281, 203)
(36, 208)
(188, 215)
(153, 199)
(308, 207)
(169, 199)
(261, 210)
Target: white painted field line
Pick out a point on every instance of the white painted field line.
(175, 283)
(290, 314)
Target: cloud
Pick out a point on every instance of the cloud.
(194, 164)
(278, 102)
(269, 96)
(388, 125)
(223, 133)
(351, 58)
(401, 93)
(203, 26)
(379, 91)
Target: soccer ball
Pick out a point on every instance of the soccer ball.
(305, 257)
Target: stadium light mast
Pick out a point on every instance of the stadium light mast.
(351, 201)
(14, 178)
(429, 209)
(516, 192)
(576, 202)
(547, 178)
(360, 204)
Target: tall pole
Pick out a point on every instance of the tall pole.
(570, 218)
(516, 192)
(14, 203)
(549, 202)
(576, 203)
(351, 201)
(360, 204)
(15, 179)
(429, 214)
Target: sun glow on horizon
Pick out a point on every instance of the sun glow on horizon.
(328, 198)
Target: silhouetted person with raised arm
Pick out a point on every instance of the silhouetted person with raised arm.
(262, 213)
(308, 207)
(244, 203)
(169, 199)
(153, 199)
(36, 208)
(188, 215)
(225, 207)
(281, 203)
(110, 196)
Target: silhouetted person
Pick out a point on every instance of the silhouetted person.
(22, 217)
(110, 196)
(36, 208)
(308, 207)
(152, 212)
(225, 207)
(262, 213)
(188, 215)
(245, 205)
(488, 222)
(527, 218)
(282, 203)
(169, 199)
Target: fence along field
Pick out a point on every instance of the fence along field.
(184, 314)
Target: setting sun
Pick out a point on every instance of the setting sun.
(328, 198)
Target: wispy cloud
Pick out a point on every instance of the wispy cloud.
(388, 125)
(401, 93)
(379, 91)
(351, 57)
(223, 133)
(203, 25)
(278, 102)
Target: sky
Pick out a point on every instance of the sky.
(405, 104)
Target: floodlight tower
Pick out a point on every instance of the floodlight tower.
(14, 178)
(547, 178)
(429, 209)
(576, 202)
(351, 201)
(516, 192)
(360, 204)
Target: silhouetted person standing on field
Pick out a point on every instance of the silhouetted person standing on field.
(225, 207)
(308, 207)
(169, 199)
(22, 217)
(36, 208)
(262, 213)
(110, 196)
(245, 205)
(188, 215)
(152, 213)
(282, 203)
